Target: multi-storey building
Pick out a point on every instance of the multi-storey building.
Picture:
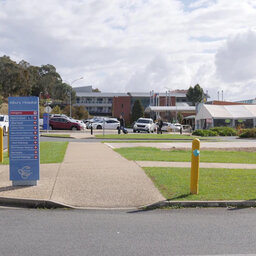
(114, 104)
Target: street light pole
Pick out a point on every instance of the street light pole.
(70, 94)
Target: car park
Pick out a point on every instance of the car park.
(63, 123)
(4, 123)
(108, 124)
(144, 125)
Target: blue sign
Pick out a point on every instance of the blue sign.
(196, 152)
(45, 121)
(24, 139)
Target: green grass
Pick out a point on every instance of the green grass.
(50, 152)
(145, 136)
(214, 184)
(155, 154)
(56, 135)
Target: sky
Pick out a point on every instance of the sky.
(138, 45)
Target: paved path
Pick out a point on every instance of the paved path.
(92, 175)
(188, 164)
(210, 145)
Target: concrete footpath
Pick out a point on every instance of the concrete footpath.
(187, 145)
(91, 176)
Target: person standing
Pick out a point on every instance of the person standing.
(160, 125)
(121, 127)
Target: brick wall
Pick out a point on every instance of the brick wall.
(122, 105)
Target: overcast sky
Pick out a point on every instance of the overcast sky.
(138, 45)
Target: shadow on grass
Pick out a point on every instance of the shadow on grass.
(178, 197)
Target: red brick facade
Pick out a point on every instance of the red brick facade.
(171, 101)
(217, 102)
(122, 105)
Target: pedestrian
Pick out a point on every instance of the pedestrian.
(160, 125)
(122, 124)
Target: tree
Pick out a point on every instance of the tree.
(80, 113)
(180, 117)
(195, 95)
(95, 90)
(137, 110)
(56, 110)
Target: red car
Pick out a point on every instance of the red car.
(62, 123)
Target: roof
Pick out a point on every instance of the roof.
(170, 108)
(227, 111)
(100, 94)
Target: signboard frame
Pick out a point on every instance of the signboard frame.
(24, 140)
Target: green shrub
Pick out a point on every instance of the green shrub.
(204, 133)
(248, 133)
(224, 131)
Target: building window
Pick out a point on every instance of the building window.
(244, 123)
(222, 122)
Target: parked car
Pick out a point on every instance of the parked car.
(175, 127)
(109, 124)
(89, 122)
(144, 125)
(62, 123)
(166, 127)
(4, 123)
(79, 122)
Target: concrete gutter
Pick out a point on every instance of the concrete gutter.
(30, 203)
(192, 204)
(47, 204)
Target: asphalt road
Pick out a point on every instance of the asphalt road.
(160, 232)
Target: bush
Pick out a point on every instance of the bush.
(248, 133)
(224, 131)
(204, 133)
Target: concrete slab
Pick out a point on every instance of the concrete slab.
(42, 191)
(188, 165)
(93, 175)
(188, 145)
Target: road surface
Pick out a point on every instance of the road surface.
(160, 232)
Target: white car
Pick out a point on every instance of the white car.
(144, 125)
(175, 127)
(81, 123)
(4, 123)
(166, 127)
(109, 124)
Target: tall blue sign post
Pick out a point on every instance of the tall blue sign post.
(46, 121)
(24, 140)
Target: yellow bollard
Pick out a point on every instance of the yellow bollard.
(194, 177)
(1, 145)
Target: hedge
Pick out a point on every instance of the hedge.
(204, 133)
(224, 131)
(248, 133)
(216, 131)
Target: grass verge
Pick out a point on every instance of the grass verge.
(155, 154)
(50, 152)
(214, 184)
